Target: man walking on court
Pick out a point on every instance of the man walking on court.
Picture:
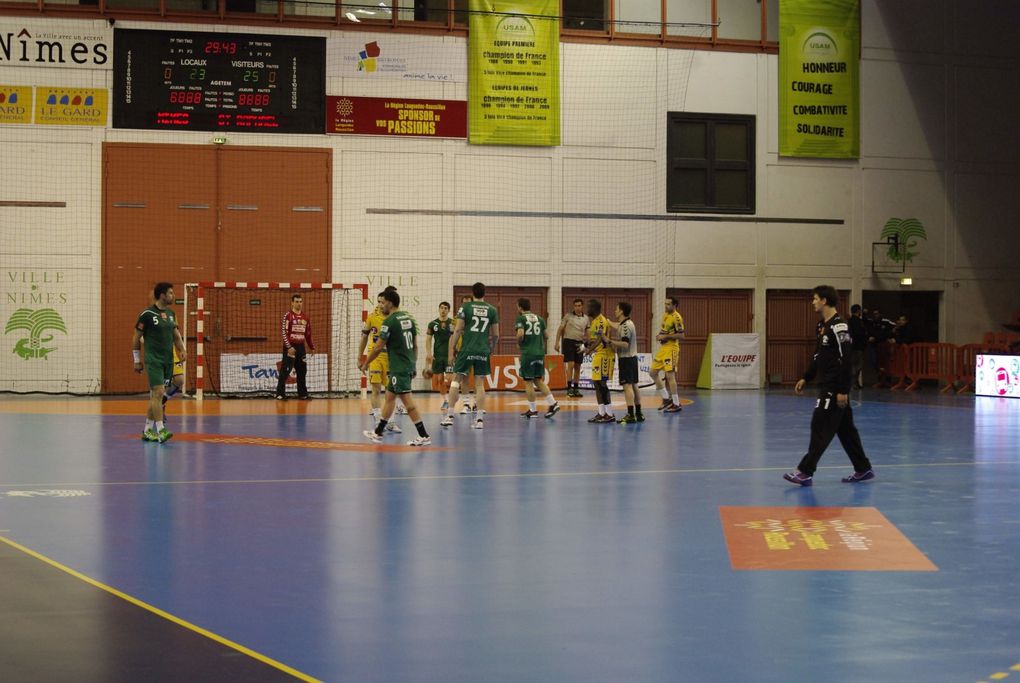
(399, 335)
(476, 322)
(833, 415)
(602, 361)
(157, 327)
(439, 332)
(532, 337)
(572, 331)
(297, 334)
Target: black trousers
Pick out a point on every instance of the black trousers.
(830, 420)
(296, 363)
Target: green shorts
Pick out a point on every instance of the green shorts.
(440, 367)
(399, 383)
(532, 367)
(160, 373)
(464, 364)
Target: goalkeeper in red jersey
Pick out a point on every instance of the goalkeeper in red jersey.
(297, 334)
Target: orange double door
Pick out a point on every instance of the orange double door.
(191, 213)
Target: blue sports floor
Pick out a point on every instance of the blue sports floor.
(549, 550)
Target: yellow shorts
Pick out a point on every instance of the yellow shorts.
(178, 364)
(379, 370)
(666, 359)
(602, 366)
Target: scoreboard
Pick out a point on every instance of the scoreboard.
(248, 82)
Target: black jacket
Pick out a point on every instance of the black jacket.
(831, 362)
(859, 333)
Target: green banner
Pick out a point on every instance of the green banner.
(514, 72)
(819, 78)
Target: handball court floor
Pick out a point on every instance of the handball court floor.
(270, 541)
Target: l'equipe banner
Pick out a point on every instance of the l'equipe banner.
(514, 72)
(819, 78)
(251, 372)
(731, 361)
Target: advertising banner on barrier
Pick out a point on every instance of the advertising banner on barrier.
(504, 375)
(997, 375)
(252, 372)
(819, 79)
(731, 361)
(514, 69)
(644, 376)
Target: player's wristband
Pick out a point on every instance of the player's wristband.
(137, 355)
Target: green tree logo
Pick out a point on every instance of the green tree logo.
(36, 323)
(902, 235)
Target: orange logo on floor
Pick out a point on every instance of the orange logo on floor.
(818, 538)
(240, 440)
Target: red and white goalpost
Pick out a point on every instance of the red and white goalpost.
(236, 342)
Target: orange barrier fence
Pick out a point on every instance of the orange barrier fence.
(951, 365)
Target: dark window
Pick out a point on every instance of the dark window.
(711, 163)
(585, 15)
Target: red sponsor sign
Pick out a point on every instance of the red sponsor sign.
(818, 538)
(387, 116)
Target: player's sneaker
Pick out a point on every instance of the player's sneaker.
(164, 435)
(595, 419)
(393, 427)
(858, 477)
(420, 441)
(401, 410)
(666, 403)
(465, 409)
(640, 417)
(304, 397)
(150, 435)
(478, 424)
(372, 436)
(529, 414)
(627, 419)
(798, 478)
(553, 409)
(608, 419)
(673, 408)
(281, 397)
(447, 421)
(445, 406)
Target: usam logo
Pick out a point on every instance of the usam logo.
(368, 58)
(514, 28)
(820, 44)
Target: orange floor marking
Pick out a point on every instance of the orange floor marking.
(818, 538)
(276, 442)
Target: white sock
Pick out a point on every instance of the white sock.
(665, 392)
(531, 406)
(676, 399)
(159, 425)
(609, 409)
(602, 409)
(149, 424)
(550, 399)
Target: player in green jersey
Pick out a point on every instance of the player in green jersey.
(398, 335)
(439, 332)
(532, 337)
(478, 326)
(157, 326)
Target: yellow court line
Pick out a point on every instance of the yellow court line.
(166, 615)
(505, 475)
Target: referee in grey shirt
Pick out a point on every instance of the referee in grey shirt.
(573, 331)
(626, 351)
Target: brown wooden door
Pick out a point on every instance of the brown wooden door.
(790, 323)
(641, 308)
(505, 301)
(180, 213)
(707, 311)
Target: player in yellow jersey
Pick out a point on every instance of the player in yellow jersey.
(378, 369)
(602, 360)
(668, 357)
(176, 384)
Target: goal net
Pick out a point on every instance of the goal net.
(235, 338)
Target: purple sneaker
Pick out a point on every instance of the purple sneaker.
(858, 477)
(798, 478)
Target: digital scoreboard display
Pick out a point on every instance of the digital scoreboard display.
(187, 80)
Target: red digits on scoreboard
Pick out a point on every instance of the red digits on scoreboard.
(185, 97)
(253, 99)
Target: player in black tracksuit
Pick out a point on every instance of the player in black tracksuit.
(832, 365)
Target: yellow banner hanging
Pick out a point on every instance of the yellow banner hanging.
(514, 72)
(55, 106)
(15, 104)
(819, 78)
